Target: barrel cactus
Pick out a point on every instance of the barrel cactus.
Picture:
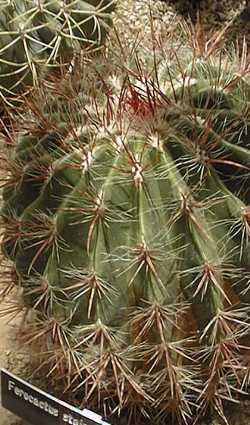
(127, 219)
(33, 33)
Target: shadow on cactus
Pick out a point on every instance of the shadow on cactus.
(127, 218)
(35, 35)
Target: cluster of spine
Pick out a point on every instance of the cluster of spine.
(127, 219)
(46, 32)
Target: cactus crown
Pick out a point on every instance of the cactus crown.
(126, 216)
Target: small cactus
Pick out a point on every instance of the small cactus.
(127, 219)
(34, 33)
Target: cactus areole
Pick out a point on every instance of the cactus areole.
(127, 219)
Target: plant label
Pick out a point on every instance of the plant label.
(39, 408)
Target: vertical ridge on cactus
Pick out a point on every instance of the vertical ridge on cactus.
(126, 216)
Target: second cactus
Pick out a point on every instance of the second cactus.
(34, 33)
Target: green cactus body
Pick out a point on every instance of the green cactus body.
(129, 232)
(35, 33)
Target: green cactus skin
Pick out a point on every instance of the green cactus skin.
(34, 33)
(127, 219)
